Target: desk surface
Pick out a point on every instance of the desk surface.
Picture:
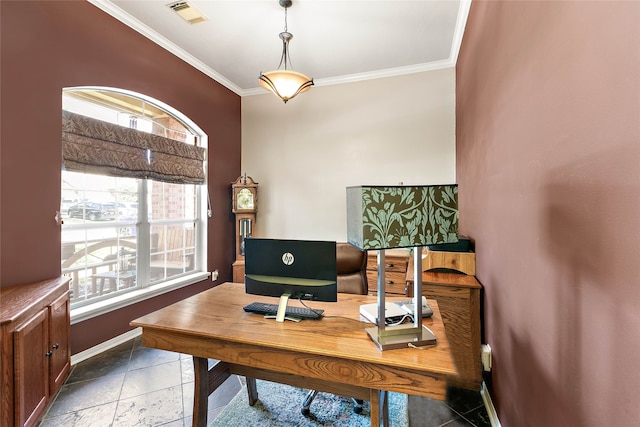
(213, 324)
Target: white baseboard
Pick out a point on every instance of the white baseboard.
(491, 410)
(113, 342)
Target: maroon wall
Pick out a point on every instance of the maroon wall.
(548, 163)
(46, 46)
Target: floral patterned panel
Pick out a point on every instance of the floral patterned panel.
(403, 216)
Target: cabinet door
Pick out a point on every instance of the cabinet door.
(60, 360)
(31, 368)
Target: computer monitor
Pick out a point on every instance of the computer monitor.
(301, 269)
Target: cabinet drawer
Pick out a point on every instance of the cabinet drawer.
(395, 283)
(395, 269)
(391, 264)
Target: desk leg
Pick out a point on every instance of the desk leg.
(379, 408)
(252, 390)
(201, 391)
(384, 407)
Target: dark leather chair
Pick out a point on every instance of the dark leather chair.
(351, 266)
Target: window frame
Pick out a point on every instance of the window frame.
(200, 273)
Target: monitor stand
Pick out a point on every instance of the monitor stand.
(282, 307)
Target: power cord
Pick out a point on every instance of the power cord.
(406, 317)
(318, 313)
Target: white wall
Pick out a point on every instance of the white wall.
(305, 153)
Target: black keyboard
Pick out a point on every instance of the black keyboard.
(272, 309)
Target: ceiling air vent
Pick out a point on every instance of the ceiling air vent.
(187, 11)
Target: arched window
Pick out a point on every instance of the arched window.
(133, 197)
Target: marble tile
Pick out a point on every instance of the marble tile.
(131, 385)
(144, 357)
(86, 394)
(458, 422)
(95, 416)
(152, 378)
(187, 399)
(150, 409)
(176, 423)
(106, 363)
(462, 401)
(227, 391)
(478, 417)
(137, 342)
(127, 346)
(217, 400)
(186, 367)
(425, 412)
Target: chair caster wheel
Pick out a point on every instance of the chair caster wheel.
(305, 411)
(357, 406)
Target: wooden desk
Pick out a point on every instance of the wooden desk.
(334, 354)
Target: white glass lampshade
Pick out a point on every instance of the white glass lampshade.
(284, 83)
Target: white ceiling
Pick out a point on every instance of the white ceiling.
(333, 41)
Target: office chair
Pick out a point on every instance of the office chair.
(351, 266)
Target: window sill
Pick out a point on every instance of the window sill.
(87, 312)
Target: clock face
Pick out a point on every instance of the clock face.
(244, 199)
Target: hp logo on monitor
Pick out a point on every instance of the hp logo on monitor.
(287, 258)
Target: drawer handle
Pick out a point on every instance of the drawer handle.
(389, 266)
(56, 346)
(389, 282)
(49, 353)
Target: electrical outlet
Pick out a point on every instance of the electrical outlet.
(486, 357)
(214, 275)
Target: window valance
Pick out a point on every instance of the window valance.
(95, 146)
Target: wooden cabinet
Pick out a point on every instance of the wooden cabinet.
(458, 297)
(395, 271)
(59, 345)
(36, 357)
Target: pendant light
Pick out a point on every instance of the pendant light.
(285, 83)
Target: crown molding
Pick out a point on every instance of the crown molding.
(128, 20)
(370, 75)
(113, 10)
(458, 34)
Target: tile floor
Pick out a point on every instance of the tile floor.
(130, 385)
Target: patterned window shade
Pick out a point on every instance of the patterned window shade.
(95, 146)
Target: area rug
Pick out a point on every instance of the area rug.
(279, 406)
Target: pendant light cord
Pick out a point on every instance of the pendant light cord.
(285, 19)
(285, 43)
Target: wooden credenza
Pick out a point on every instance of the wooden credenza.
(395, 271)
(36, 356)
(458, 297)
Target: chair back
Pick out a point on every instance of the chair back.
(351, 266)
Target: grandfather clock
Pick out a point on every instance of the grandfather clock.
(244, 193)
